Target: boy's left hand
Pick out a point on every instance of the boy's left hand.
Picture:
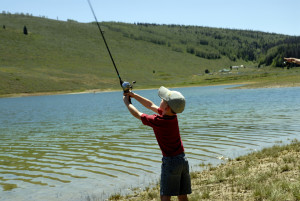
(126, 98)
(130, 94)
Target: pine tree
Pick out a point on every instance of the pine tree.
(25, 30)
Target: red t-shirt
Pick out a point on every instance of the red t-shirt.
(166, 131)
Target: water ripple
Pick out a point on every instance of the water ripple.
(72, 142)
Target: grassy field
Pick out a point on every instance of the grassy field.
(62, 57)
(251, 78)
(69, 56)
(269, 174)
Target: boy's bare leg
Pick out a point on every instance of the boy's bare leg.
(182, 197)
(165, 198)
(168, 198)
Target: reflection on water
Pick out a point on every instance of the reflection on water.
(65, 147)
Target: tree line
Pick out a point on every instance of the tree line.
(214, 43)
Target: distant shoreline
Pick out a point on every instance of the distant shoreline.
(18, 95)
(245, 85)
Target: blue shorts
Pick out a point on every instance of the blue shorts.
(175, 176)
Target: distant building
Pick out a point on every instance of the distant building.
(237, 67)
(224, 70)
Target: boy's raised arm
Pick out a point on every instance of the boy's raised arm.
(137, 114)
(144, 101)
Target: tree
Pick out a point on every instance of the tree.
(190, 50)
(25, 30)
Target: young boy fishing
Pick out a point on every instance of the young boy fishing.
(175, 177)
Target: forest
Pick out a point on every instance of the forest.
(213, 43)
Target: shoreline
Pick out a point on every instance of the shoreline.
(254, 176)
(19, 95)
(245, 85)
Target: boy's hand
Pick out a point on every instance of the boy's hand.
(126, 99)
(130, 94)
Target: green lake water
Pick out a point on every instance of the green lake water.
(80, 146)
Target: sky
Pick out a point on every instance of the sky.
(274, 16)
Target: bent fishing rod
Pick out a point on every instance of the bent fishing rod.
(126, 86)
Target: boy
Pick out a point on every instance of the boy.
(175, 177)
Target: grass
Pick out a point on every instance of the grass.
(59, 57)
(270, 174)
(251, 78)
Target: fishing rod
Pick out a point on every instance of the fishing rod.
(126, 86)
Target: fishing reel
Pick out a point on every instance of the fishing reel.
(127, 86)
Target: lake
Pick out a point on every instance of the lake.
(87, 146)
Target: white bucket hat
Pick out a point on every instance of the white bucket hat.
(175, 99)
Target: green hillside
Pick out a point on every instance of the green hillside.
(70, 56)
